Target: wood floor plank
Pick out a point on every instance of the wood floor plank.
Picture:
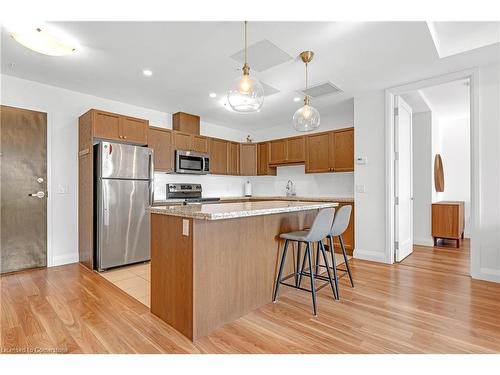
(426, 304)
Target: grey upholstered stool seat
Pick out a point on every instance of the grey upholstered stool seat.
(320, 228)
(339, 226)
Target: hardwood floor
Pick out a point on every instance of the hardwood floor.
(393, 309)
(442, 258)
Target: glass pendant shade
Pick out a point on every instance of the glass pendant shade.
(246, 95)
(306, 118)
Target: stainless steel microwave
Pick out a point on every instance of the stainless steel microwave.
(189, 162)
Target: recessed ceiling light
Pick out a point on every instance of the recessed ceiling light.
(212, 95)
(43, 39)
(296, 99)
(147, 72)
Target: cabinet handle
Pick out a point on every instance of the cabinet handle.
(124, 137)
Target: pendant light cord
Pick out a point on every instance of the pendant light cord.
(246, 41)
(306, 77)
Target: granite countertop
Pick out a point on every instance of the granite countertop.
(218, 211)
(256, 198)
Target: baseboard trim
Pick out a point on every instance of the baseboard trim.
(423, 241)
(60, 260)
(374, 256)
(487, 274)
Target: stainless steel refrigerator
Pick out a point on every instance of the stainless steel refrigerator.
(123, 191)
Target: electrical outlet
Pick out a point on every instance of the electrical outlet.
(62, 189)
(360, 188)
(185, 227)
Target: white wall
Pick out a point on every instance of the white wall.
(422, 178)
(63, 107)
(369, 128)
(486, 263)
(454, 143)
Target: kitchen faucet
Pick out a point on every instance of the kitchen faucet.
(290, 188)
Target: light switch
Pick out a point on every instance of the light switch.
(360, 188)
(62, 189)
(360, 160)
(185, 227)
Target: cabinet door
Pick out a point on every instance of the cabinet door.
(233, 159)
(343, 150)
(134, 130)
(348, 235)
(218, 156)
(182, 141)
(248, 159)
(106, 125)
(160, 140)
(277, 151)
(263, 167)
(199, 144)
(318, 153)
(296, 150)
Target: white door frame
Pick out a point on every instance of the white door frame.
(473, 75)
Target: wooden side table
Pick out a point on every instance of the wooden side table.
(448, 221)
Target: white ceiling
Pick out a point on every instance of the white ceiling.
(450, 99)
(191, 59)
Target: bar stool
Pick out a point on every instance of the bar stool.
(340, 224)
(320, 228)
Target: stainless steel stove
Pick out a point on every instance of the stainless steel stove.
(191, 193)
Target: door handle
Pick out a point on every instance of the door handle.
(39, 194)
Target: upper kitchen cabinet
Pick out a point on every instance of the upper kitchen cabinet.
(233, 158)
(248, 159)
(343, 150)
(219, 150)
(134, 130)
(319, 157)
(182, 141)
(287, 151)
(112, 126)
(263, 167)
(160, 140)
(296, 149)
(199, 143)
(186, 123)
(330, 151)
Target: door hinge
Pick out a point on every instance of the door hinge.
(396, 200)
(396, 111)
(396, 155)
(396, 245)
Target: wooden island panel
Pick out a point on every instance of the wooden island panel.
(234, 266)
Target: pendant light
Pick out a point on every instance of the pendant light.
(307, 117)
(246, 95)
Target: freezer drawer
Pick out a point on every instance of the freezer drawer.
(123, 224)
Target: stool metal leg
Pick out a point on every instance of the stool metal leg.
(311, 273)
(334, 265)
(280, 272)
(316, 271)
(328, 269)
(303, 265)
(341, 239)
(297, 268)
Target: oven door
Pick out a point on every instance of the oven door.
(188, 162)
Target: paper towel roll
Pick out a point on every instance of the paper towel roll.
(248, 189)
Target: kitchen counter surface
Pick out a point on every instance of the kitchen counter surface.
(218, 211)
(257, 198)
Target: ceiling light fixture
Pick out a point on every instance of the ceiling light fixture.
(212, 95)
(147, 72)
(307, 117)
(246, 94)
(44, 41)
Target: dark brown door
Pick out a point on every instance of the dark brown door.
(23, 150)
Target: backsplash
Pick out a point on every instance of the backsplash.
(314, 184)
(311, 184)
(213, 185)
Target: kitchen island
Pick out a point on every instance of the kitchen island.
(213, 263)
